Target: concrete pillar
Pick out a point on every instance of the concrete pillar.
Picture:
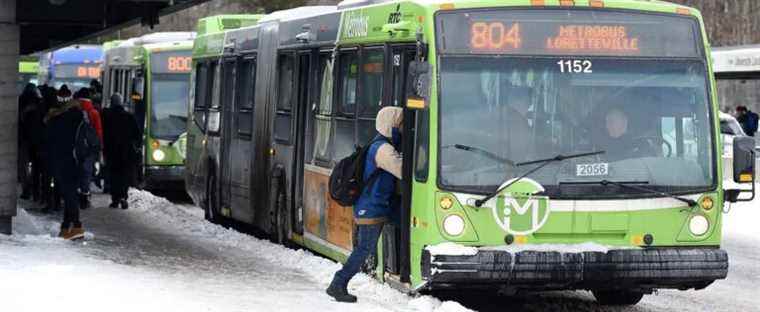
(9, 49)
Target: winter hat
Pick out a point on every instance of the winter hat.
(83, 93)
(64, 94)
(116, 100)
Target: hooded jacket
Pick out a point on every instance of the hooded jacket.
(94, 116)
(374, 205)
(62, 123)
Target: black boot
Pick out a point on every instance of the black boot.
(340, 293)
(124, 204)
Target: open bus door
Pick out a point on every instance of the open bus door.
(395, 238)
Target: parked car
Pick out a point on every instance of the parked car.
(730, 129)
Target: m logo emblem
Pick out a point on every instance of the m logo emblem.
(518, 211)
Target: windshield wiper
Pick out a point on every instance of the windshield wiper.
(631, 185)
(543, 162)
(483, 152)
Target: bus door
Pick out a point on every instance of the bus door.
(396, 235)
(306, 102)
(226, 136)
(237, 148)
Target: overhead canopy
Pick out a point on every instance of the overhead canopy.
(46, 24)
(739, 62)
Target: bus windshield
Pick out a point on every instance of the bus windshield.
(650, 117)
(169, 106)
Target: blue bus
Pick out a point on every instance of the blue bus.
(74, 66)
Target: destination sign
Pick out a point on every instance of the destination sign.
(567, 32)
(174, 62)
(77, 71)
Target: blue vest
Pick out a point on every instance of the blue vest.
(375, 201)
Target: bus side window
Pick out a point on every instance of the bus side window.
(246, 82)
(370, 92)
(199, 111)
(285, 96)
(345, 121)
(323, 113)
(213, 98)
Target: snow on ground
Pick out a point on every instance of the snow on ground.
(159, 256)
(742, 218)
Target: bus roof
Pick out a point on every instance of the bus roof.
(370, 16)
(736, 61)
(169, 46)
(77, 54)
(161, 37)
(111, 44)
(211, 32)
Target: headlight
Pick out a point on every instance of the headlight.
(698, 225)
(158, 155)
(453, 225)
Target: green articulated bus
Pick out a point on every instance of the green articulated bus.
(546, 144)
(152, 72)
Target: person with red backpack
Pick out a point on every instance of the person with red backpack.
(379, 171)
(88, 164)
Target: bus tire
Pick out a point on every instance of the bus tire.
(211, 210)
(618, 297)
(279, 214)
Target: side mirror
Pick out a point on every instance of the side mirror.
(744, 169)
(744, 160)
(418, 88)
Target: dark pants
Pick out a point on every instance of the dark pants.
(367, 236)
(67, 182)
(120, 180)
(87, 168)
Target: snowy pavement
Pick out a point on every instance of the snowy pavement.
(160, 256)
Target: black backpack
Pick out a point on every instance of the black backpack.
(86, 141)
(346, 179)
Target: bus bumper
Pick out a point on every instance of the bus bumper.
(164, 177)
(643, 269)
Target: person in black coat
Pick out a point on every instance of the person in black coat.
(33, 132)
(62, 124)
(121, 138)
(28, 125)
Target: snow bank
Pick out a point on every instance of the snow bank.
(190, 222)
(451, 249)
(741, 218)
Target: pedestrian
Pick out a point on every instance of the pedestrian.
(50, 197)
(63, 122)
(120, 149)
(96, 94)
(88, 164)
(28, 102)
(375, 205)
(747, 119)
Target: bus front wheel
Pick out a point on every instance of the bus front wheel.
(617, 297)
